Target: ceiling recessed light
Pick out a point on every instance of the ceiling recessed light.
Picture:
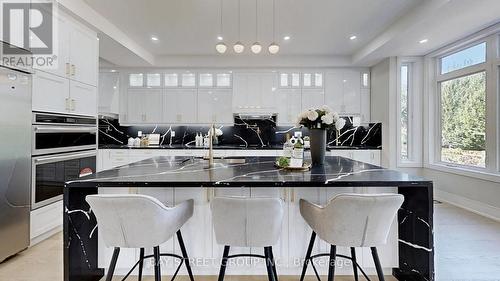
(286, 38)
(154, 38)
(353, 37)
(113, 70)
(423, 41)
(220, 38)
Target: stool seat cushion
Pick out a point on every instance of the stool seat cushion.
(353, 220)
(137, 221)
(247, 222)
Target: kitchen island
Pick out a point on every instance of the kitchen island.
(186, 178)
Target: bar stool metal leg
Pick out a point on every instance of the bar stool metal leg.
(331, 264)
(308, 255)
(273, 263)
(354, 263)
(223, 263)
(269, 267)
(376, 260)
(185, 255)
(141, 264)
(112, 265)
(156, 253)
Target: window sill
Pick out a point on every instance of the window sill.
(463, 171)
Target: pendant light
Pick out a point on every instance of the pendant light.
(238, 46)
(220, 47)
(256, 47)
(274, 48)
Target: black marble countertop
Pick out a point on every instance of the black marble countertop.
(229, 147)
(244, 172)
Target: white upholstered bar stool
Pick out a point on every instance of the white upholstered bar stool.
(248, 222)
(351, 220)
(140, 221)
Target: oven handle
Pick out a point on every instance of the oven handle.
(49, 129)
(64, 157)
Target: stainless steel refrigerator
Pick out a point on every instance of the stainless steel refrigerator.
(15, 161)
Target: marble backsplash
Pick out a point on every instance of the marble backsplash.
(244, 133)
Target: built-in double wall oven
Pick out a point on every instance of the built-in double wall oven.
(63, 149)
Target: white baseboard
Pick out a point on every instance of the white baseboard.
(40, 238)
(474, 206)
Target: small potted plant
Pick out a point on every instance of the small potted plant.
(318, 121)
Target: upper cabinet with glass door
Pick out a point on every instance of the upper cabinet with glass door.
(214, 80)
(312, 80)
(289, 80)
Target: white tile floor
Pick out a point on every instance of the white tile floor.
(467, 249)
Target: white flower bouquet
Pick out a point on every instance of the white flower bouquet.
(218, 132)
(321, 118)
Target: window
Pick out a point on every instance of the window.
(153, 80)
(206, 80)
(223, 80)
(403, 111)
(171, 80)
(468, 57)
(188, 80)
(463, 120)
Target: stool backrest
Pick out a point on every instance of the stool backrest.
(137, 221)
(357, 220)
(247, 222)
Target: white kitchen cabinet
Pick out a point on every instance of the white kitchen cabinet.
(312, 98)
(363, 155)
(77, 51)
(299, 231)
(62, 63)
(343, 90)
(197, 233)
(70, 86)
(83, 98)
(365, 106)
(254, 92)
(144, 106)
(84, 54)
(288, 105)
(352, 87)
(109, 92)
(50, 93)
(180, 106)
(334, 90)
(214, 106)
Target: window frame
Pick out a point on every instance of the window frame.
(409, 93)
(433, 77)
(415, 112)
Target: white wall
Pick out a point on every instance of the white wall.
(477, 195)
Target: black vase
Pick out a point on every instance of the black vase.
(318, 146)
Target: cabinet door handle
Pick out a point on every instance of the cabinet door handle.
(73, 70)
(67, 69)
(284, 196)
(292, 195)
(66, 102)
